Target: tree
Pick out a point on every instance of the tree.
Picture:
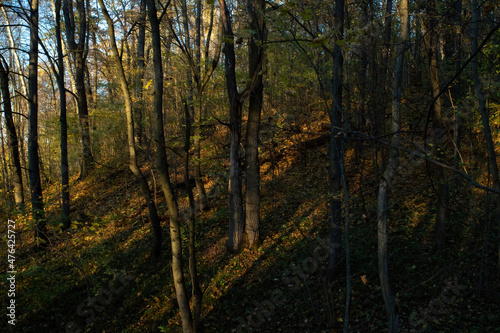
(162, 165)
(236, 218)
(484, 114)
(328, 66)
(141, 64)
(13, 143)
(37, 206)
(14, 50)
(236, 100)
(457, 131)
(77, 49)
(202, 195)
(438, 130)
(133, 165)
(363, 82)
(62, 119)
(188, 116)
(5, 173)
(256, 58)
(18, 105)
(390, 171)
(194, 73)
(334, 169)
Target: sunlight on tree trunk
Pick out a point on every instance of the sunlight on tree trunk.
(198, 110)
(134, 167)
(78, 53)
(66, 222)
(443, 199)
(256, 100)
(162, 164)
(188, 116)
(139, 109)
(236, 218)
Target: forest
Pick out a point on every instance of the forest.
(250, 166)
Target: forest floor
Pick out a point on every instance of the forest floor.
(100, 277)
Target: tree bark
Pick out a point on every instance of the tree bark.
(188, 115)
(66, 222)
(334, 170)
(381, 83)
(458, 87)
(41, 238)
(139, 84)
(67, 62)
(5, 172)
(162, 164)
(12, 141)
(77, 50)
(133, 165)
(256, 59)
(202, 195)
(362, 88)
(236, 218)
(432, 40)
(14, 52)
(17, 104)
(196, 291)
(390, 171)
(485, 116)
(481, 98)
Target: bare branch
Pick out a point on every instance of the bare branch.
(428, 159)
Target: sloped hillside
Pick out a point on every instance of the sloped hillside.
(100, 277)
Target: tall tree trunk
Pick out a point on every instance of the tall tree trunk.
(334, 170)
(41, 237)
(66, 222)
(390, 171)
(133, 165)
(83, 115)
(188, 113)
(141, 65)
(432, 40)
(14, 52)
(208, 38)
(380, 98)
(202, 195)
(256, 59)
(68, 64)
(362, 87)
(78, 51)
(5, 172)
(196, 291)
(19, 104)
(485, 117)
(22, 128)
(458, 87)
(12, 141)
(236, 218)
(162, 164)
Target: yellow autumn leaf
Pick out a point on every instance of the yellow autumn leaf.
(364, 279)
